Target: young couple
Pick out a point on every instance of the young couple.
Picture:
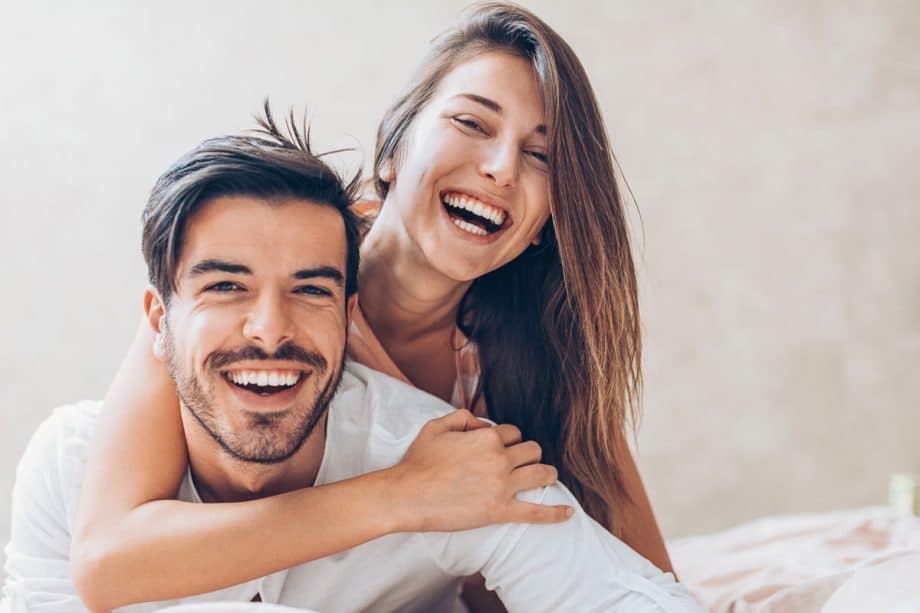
(496, 276)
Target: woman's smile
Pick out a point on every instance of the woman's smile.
(471, 184)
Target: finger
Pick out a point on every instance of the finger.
(524, 453)
(532, 476)
(458, 420)
(530, 513)
(508, 434)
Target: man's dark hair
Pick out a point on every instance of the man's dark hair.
(266, 163)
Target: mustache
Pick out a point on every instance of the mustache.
(288, 352)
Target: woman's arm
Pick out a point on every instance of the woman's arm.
(132, 544)
(634, 522)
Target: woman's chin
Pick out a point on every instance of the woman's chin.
(459, 268)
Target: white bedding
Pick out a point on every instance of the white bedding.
(797, 563)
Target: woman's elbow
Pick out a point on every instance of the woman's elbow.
(90, 568)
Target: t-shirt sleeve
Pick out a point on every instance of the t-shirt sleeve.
(576, 565)
(37, 556)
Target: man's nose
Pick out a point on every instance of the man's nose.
(269, 324)
(502, 164)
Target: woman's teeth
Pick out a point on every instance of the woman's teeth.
(473, 215)
(264, 378)
(465, 225)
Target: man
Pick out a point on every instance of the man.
(252, 255)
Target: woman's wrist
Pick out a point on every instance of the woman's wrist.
(397, 513)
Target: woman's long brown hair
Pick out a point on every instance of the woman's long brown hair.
(557, 328)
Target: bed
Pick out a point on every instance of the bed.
(865, 560)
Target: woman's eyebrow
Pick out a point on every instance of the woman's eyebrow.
(486, 102)
(493, 106)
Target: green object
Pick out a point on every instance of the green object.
(904, 493)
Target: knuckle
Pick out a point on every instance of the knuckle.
(494, 436)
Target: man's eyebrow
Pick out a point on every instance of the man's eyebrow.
(206, 266)
(324, 272)
(493, 106)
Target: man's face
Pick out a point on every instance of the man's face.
(255, 332)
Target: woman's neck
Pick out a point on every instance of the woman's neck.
(403, 298)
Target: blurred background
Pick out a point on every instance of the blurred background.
(772, 149)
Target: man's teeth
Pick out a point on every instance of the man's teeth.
(465, 225)
(264, 378)
(493, 214)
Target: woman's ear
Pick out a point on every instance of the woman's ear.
(156, 317)
(539, 237)
(387, 171)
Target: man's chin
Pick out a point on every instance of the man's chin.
(266, 438)
(262, 428)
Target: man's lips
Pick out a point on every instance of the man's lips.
(269, 390)
(263, 377)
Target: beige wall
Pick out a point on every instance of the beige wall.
(771, 150)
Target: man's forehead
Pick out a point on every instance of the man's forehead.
(278, 237)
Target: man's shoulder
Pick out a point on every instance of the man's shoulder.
(75, 420)
(46, 490)
(66, 432)
(372, 421)
(384, 402)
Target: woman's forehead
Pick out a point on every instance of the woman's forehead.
(503, 78)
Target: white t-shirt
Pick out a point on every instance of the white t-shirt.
(572, 566)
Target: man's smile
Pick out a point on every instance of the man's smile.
(266, 389)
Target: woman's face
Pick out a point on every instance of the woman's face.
(471, 183)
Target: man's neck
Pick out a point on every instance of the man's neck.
(219, 477)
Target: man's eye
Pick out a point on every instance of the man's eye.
(224, 286)
(313, 290)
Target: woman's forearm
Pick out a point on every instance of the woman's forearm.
(169, 549)
(132, 543)
(634, 523)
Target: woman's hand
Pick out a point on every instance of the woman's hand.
(462, 472)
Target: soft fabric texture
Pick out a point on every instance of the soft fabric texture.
(572, 566)
(799, 563)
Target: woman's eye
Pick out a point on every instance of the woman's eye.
(539, 156)
(224, 286)
(470, 124)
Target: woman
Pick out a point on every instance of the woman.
(497, 275)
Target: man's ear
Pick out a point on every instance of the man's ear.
(156, 317)
(349, 309)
